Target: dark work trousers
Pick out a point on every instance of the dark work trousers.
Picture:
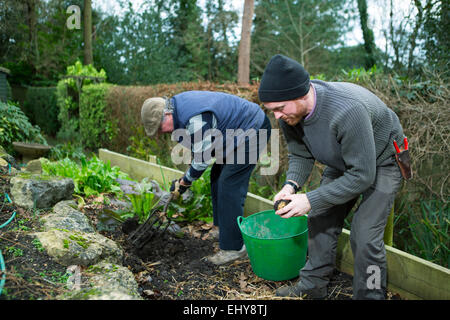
(229, 186)
(366, 236)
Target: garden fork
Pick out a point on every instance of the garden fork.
(156, 223)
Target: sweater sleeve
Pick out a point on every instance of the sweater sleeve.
(355, 135)
(300, 159)
(198, 127)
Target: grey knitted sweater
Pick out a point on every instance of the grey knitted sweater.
(351, 131)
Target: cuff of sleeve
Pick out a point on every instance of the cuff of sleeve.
(317, 203)
(186, 179)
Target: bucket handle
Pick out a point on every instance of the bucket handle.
(239, 221)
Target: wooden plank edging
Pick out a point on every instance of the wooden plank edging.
(409, 276)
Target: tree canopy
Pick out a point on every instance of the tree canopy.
(167, 41)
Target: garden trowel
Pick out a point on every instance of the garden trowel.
(156, 224)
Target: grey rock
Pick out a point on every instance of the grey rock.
(66, 217)
(34, 166)
(106, 281)
(40, 191)
(79, 248)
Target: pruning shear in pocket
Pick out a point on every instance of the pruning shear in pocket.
(403, 159)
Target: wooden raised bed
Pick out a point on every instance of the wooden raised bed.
(409, 276)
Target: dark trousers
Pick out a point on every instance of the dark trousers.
(229, 186)
(366, 236)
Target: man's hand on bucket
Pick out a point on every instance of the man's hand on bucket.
(298, 206)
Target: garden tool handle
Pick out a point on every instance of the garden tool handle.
(172, 197)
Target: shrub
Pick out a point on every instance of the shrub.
(15, 126)
(42, 109)
(96, 127)
(68, 94)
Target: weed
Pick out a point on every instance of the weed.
(38, 245)
(16, 252)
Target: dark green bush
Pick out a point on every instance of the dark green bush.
(69, 92)
(15, 126)
(42, 109)
(96, 127)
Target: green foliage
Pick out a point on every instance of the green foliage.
(42, 109)
(141, 146)
(431, 233)
(369, 39)
(287, 27)
(360, 74)
(21, 72)
(66, 150)
(142, 200)
(69, 92)
(436, 36)
(80, 70)
(92, 177)
(169, 41)
(15, 126)
(95, 129)
(16, 252)
(196, 207)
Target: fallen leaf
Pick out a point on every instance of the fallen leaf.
(149, 293)
(207, 226)
(205, 236)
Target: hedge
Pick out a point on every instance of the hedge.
(41, 108)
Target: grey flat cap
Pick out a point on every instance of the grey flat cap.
(151, 114)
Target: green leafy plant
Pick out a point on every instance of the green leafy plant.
(38, 245)
(92, 177)
(16, 252)
(15, 126)
(66, 150)
(196, 207)
(142, 199)
(431, 232)
(360, 74)
(78, 69)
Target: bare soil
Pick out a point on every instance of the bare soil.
(170, 267)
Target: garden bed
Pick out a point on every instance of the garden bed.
(168, 268)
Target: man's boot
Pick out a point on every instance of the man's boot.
(297, 290)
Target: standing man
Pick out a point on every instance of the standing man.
(220, 125)
(351, 131)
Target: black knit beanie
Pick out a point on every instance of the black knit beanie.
(283, 79)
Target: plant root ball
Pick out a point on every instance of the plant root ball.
(280, 204)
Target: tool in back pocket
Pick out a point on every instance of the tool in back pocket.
(403, 159)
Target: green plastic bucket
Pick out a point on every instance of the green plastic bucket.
(276, 246)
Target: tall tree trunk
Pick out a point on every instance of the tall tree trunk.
(32, 32)
(87, 17)
(244, 45)
(369, 42)
(394, 42)
(415, 33)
